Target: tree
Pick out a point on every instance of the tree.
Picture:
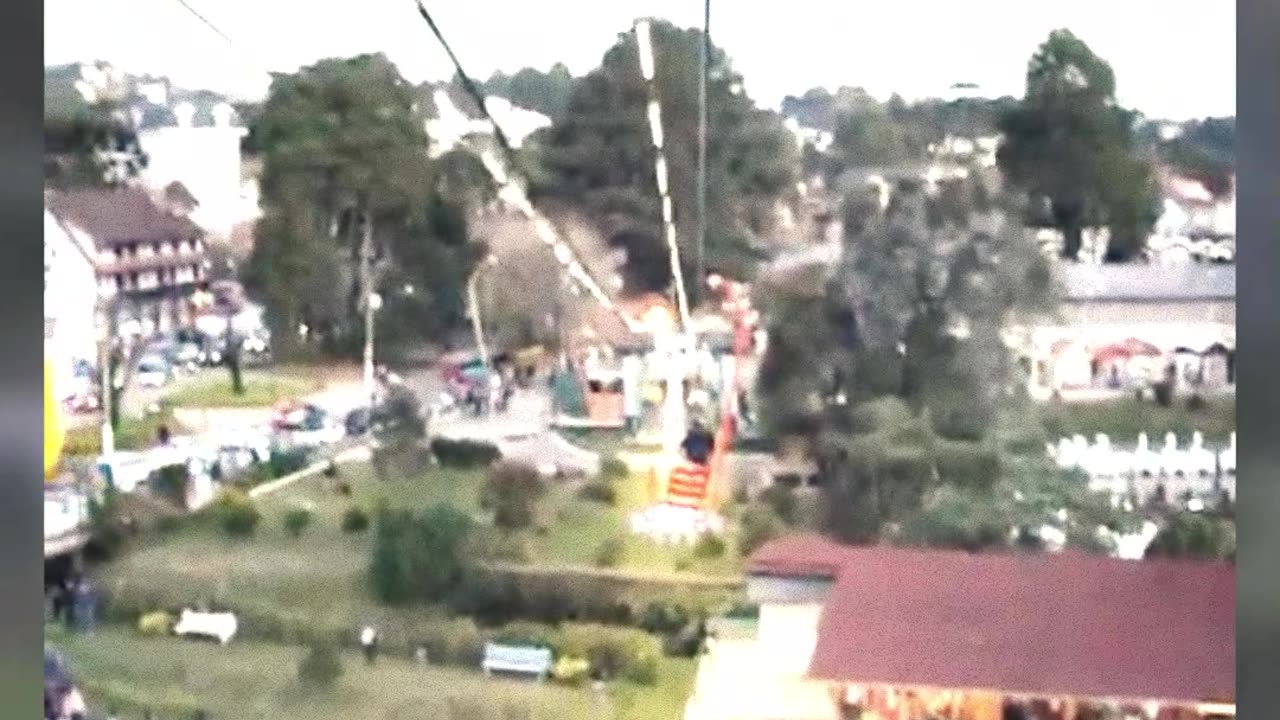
(511, 491)
(896, 369)
(343, 146)
(1071, 148)
(1192, 535)
(545, 92)
(599, 155)
(418, 558)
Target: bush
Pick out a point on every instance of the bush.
(355, 520)
(598, 491)
(782, 499)
(296, 521)
(418, 558)
(709, 546)
(464, 453)
(613, 468)
(458, 642)
(610, 552)
(663, 618)
(613, 652)
(686, 642)
(156, 624)
(321, 666)
(759, 525)
(971, 466)
(235, 513)
(510, 490)
(525, 633)
(572, 671)
(286, 462)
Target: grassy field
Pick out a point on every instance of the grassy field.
(122, 670)
(1123, 419)
(133, 434)
(320, 578)
(262, 389)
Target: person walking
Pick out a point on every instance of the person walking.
(369, 643)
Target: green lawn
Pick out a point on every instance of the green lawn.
(133, 434)
(1123, 419)
(320, 579)
(262, 388)
(118, 668)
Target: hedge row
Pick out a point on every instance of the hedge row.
(464, 453)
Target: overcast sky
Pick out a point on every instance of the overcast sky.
(1172, 60)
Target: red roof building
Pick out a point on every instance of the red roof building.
(1066, 627)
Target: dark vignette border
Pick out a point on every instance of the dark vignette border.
(1258, 528)
(21, 404)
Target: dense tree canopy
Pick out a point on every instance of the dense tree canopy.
(340, 141)
(546, 92)
(599, 155)
(896, 371)
(1072, 149)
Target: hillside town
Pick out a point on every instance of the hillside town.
(620, 394)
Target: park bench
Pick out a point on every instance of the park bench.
(516, 659)
(219, 626)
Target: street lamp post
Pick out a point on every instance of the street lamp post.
(477, 326)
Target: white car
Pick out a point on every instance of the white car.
(153, 372)
(219, 626)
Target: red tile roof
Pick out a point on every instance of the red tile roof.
(119, 215)
(1065, 624)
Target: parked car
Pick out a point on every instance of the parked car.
(153, 371)
(306, 425)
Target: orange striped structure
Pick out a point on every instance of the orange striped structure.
(687, 484)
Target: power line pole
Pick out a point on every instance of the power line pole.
(702, 152)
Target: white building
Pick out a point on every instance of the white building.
(198, 147)
(1121, 325)
(70, 301)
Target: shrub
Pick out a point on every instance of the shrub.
(782, 498)
(526, 634)
(612, 468)
(685, 642)
(235, 513)
(458, 642)
(709, 546)
(510, 490)
(1196, 403)
(355, 520)
(613, 652)
(663, 618)
(321, 666)
(972, 466)
(286, 462)
(418, 558)
(598, 491)
(759, 525)
(610, 552)
(571, 671)
(296, 520)
(464, 453)
(156, 623)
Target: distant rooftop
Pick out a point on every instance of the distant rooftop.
(1147, 283)
(119, 215)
